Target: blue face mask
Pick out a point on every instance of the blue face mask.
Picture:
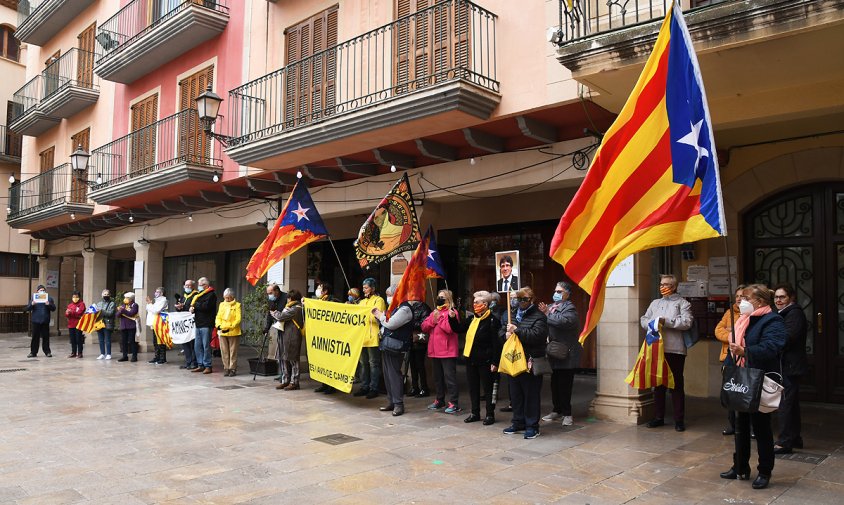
(514, 302)
(272, 298)
(558, 297)
(188, 290)
(351, 298)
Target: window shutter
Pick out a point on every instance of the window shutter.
(45, 183)
(193, 143)
(143, 142)
(309, 85)
(85, 64)
(78, 189)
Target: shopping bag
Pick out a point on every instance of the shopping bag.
(771, 393)
(513, 361)
(741, 388)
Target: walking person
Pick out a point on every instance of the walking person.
(228, 328)
(675, 312)
(155, 306)
(74, 311)
(399, 327)
(759, 339)
(203, 306)
(483, 352)
(127, 323)
(183, 304)
(290, 340)
(40, 305)
(106, 309)
(724, 333)
(794, 365)
(370, 356)
(564, 328)
(442, 326)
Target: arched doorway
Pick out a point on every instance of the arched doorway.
(797, 236)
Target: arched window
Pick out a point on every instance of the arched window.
(9, 45)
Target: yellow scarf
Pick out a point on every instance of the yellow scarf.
(470, 335)
(200, 295)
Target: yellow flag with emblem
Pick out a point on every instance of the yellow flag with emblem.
(513, 361)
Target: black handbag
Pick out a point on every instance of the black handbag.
(557, 350)
(540, 366)
(741, 388)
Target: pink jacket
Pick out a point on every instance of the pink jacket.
(442, 336)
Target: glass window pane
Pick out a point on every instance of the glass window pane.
(775, 265)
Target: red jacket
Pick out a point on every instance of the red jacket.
(73, 312)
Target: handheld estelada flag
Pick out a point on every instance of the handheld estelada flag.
(434, 267)
(651, 369)
(391, 228)
(412, 283)
(88, 322)
(654, 180)
(161, 327)
(298, 225)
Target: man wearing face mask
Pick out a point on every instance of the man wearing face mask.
(183, 305)
(156, 306)
(675, 313)
(204, 308)
(106, 308)
(563, 327)
(40, 305)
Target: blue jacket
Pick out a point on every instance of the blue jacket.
(41, 311)
(763, 342)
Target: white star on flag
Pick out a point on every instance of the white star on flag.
(431, 254)
(301, 213)
(693, 139)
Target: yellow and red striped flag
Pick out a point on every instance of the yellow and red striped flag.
(651, 369)
(161, 327)
(654, 180)
(88, 322)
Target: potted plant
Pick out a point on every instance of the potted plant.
(254, 317)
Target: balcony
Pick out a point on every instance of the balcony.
(40, 20)
(752, 53)
(25, 116)
(146, 34)
(10, 146)
(48, 199)
(173, 154)
(69, 84)
(425, 73)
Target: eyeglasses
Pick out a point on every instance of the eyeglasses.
(522, 299)
(780, 297)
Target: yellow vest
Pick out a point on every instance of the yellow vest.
(374, 326)
(228, 319)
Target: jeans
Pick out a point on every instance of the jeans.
(190, 356)
(562, 382)
(77, 338)
(761, 424)
(445, 379)
(525, 396)
(789, 414)
(676, 362)
(480, 376)
(128, 343)
(370, 362)
(393, 378)
(202, 347)
(105, 341)
(40, 331)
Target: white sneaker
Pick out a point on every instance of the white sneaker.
(108, 356)
(101, 356)
(553, 416)
(568, 421)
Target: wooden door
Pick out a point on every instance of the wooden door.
(45, 182)
(143, 138)
(13, 141)
(309, 87)
(78, 188)
(85, 63)
(194, 144)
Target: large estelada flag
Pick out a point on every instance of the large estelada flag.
(298, 225)
(88, 322)
(412, 283)
(391, 228)
(654, 180)
(434, 267)
(651, 369)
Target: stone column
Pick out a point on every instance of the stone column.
(152, 255)
(94, 272)
(619, 339)
(50, 264)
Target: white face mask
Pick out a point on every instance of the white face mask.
(745, 307)
(318, 293)
(389, 300)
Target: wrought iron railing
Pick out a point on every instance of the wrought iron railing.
(10, 142)
(138, 17)
(73, 68)
(166, 143)
(452, 40)
(580, 19)
(27, 98)
(53, 187)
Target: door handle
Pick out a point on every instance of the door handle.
(820, 323)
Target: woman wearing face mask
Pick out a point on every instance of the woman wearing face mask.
(370, 355)
(563, 327)
(154, 307)
(482, 352)
(323, 292)
(759, 338)
(675, 312)
(531, 326)
(106, 308)
(353, 296)
(75, 310)
(442, 326)
(127, 317)
(724, 332)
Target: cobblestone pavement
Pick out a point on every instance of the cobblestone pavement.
(88, 431)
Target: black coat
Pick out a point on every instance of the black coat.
(41, 311)
(273, 306)
(486, 348)
(205, 309)
(794, 354)
(421, 311)
(763, 342)
(532, 331)
(564, 327)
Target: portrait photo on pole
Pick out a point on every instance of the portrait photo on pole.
(507, 274)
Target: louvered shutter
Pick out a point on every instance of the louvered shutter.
(85, 63)
(194, 144)
(45, 185)
(78, 188)
(309, 86)
(143, 140)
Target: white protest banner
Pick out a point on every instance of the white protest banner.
(182, 327)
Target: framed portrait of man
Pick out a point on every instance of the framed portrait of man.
(507, 272)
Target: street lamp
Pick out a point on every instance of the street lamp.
(208, 108)
(79, 165)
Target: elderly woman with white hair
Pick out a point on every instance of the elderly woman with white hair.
(482, 351)
(228, 329)
(127, 322)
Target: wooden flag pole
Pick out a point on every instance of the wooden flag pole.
(348, 286)
(509, 312)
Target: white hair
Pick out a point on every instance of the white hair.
(129, 294)
(228, 292)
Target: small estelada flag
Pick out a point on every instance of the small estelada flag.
(391, 228)
(651, 369)
(88, 322)
(434, 268)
